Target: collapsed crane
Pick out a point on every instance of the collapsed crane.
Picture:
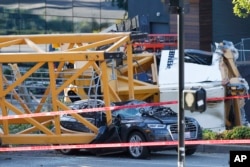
(84, 50)
(92, 65)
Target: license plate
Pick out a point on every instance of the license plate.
(187, 135)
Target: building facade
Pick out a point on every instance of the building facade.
(206, 21)
(53, 16)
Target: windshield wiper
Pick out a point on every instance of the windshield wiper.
(150, 113)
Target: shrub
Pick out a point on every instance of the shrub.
(209, 135)
(239, 132)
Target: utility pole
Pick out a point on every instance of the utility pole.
(181, 116)
(177, 7)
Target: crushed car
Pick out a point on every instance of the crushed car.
(142, 123)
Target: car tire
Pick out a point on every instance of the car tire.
(69, 151)
(137, 152)
(190, 151)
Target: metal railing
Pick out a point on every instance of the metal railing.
(244, 51)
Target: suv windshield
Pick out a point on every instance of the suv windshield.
(128, 112)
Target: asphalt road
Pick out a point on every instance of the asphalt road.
(160, 159)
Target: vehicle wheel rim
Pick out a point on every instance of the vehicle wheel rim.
(135, 151)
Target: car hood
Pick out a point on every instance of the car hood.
(151, 119)
(156, 119)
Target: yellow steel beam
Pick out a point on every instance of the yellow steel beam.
(11, 42)
(79, 118)
(124, 79)
(139, 64)
(105, 81)
(33, 45)
(20, 79)
(113, 95)
(139, 90)
(34, 128)
(23, 121)
(30, 120)
(94, 45)
(118, 44)
(44, 97)
(74, 76)
(130, 71)
(51, 57)
(79, 138)
(17, 97)
(64, 38)
(54, 95)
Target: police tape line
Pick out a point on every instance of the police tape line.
(116, 145)
(55, 113)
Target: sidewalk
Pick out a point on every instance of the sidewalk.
(222, 148)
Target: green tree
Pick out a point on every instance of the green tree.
(241, 8)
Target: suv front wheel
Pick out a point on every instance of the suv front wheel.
(191, 150)
(137, 151)
(69, 151)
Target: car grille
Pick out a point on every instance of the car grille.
(190, 130)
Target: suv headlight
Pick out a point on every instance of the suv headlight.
(156, 126)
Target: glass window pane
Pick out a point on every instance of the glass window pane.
(9, 24)
(32, 7)
(86, 25)
(59, 7)
(32, 24)
(59, 24)
(111, 11)
(86, 8)
(9, 6)
(58, 16)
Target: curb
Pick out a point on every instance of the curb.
(222, 148)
